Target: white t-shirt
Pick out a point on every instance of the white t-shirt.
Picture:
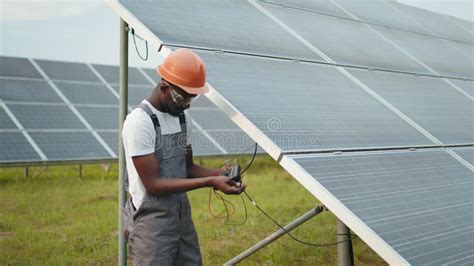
(138, 136)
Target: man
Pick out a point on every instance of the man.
(160, 167)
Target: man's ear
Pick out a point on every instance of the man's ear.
(163, 87)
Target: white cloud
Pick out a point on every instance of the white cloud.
(33, 10)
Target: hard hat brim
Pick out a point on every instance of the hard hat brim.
(192, 90)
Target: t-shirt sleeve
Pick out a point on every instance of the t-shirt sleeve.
(189, 127)
(139, 134)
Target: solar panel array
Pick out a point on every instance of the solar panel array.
(367, 104)
(65, 111)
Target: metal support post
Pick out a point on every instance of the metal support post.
(80, 171)
(26, 171)
(269, 239)
(345, 255)
(122, 256)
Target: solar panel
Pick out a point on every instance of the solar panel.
(465, 85)
(39, 109)
(418, 203)
(136, 93)
(433, 52)
(303, 106)
(464, 24)
(5, 121)
(234, 25)
(67, 71)
(466, 153)
(111, 75)
(466, 49)
(439, 25)
(381, 13)
(202, 145)
(151, 72)
(15, 147)
(409, 206)
(17, 67)
(101, 117)
(45, 116)
(319, 6)
(111, 138)
(85, 93)
(69, 145)
(430, 102)
(366, 47)
(27, 91)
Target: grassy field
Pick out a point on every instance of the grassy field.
(53, 217)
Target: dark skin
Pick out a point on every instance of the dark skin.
(148, 167)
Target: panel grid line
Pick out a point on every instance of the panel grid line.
(355, 19)
(24, 132)
(349, 75)
(414, 58)
(74, 110)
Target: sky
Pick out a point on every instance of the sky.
(88, 30)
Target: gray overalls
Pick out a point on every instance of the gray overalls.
(162, 231)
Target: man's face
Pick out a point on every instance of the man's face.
(180, 100)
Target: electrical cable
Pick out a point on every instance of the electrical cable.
(288, 232)
(267, 215)
(280, 226)
(251, 161)
(136, 48)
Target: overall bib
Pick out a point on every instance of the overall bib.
(161, 230)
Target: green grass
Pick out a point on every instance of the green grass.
(55, 217)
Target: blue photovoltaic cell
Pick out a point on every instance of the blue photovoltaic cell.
(381, 13)
(437, 24)
(466, 153)
(45, 117)
(17, 67)
(432, 51)
(67, 71)
(420, 202)
(15, 148)
(112, 75)
(202, 145)
(202, 102)
(318, 6)
(151, 72)
(83, 93)
(211, 119)
(466, 49)
(366, 47)
(466, 85)
(226, 25)
(69, 145)
(27, 91)
(111, 138)
(430, 102)
(5, 121)
(101, 117)
(137, 93)
(464, 24)
(315, 107)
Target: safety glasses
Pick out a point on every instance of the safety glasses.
(179, 99)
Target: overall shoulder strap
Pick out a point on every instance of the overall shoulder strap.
(182, 122)
(149, 112)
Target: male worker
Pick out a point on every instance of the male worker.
(160, 167)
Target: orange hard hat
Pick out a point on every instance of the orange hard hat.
(186, 70)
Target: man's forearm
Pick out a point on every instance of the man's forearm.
(195, 171)
(165, 185)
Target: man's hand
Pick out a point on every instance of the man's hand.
(223, 169)
(222, 183)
